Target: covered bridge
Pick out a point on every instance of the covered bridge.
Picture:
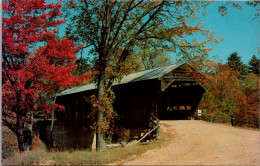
(168, 93)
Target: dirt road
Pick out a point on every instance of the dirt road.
(202, 143)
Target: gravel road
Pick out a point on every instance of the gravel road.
(194, 142)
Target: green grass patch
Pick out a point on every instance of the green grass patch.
(82, 157)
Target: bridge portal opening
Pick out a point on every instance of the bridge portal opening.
(180, 100)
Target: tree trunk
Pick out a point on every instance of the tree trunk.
(100, 144)
(24, 130)
(24, 137)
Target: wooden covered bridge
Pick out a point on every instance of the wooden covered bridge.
(168, 93)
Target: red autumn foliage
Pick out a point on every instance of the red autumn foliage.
(229, 95)
(248, 104)
(248, 111)
(33, 75)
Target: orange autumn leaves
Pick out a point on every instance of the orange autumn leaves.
(228, 94)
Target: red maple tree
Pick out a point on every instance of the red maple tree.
(32, 75)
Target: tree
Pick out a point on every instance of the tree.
(32, 76)
(235, 63)
(247, 111)
(117, 30)
(254, 65)
(229, 95)
(222, 91)
(152, 54)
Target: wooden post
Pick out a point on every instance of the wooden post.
(93, 147)
(232, 122)
(157, 121)
(130, 144)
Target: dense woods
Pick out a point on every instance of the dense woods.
(233, 92)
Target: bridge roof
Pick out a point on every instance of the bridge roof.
(154, 73)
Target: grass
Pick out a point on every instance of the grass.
(40, 156)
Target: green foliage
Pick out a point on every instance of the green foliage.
(251, 83)
(222, 88)
(83, 66)
(230, 95)
(235, 63)
(248, 108)
(254, 65)
(151, 57)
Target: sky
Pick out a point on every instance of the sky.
(240, 33)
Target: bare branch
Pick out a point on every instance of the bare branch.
(121, 23)
(127, 47)
(9, 125)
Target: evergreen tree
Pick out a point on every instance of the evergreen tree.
(235, 63)
(254, 65)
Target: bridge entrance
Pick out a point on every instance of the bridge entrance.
(180, 100)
